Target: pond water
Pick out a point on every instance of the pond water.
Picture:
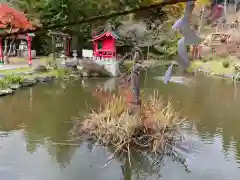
(35, 125)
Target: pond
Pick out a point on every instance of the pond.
(35, 125)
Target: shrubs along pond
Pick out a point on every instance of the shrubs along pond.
(10, 80)
(13, 79)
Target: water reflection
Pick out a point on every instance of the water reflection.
(35, 142)
(213, 106)
(45, 116)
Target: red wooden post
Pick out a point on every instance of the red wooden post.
(192, 51)
(29, 40)
(1, 51)
(199, 51)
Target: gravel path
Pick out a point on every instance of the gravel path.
(35, 63)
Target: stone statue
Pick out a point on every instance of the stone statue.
(63, 58)
(135, 82)
(74, 54)
(75, 59)
(63, 55)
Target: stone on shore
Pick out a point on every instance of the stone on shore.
(4, 92)
(95, 74)
(24, 73)
(29, 82)
(40, 69)
(15, 86)
(44, 79)
(92, 67)
(85, 74)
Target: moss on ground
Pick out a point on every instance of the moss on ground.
(217, 66)
(16, 70)
(11, 78)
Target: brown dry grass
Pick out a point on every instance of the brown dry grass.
(114, 126)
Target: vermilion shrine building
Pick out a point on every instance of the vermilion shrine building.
(104, 46)
(104, 51)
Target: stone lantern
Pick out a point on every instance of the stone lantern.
(63, 58)
(75, 54)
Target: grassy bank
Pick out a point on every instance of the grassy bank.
(27, 76)
(16, 70)
(213, 67)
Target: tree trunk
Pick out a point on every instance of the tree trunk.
(10, 47)
(5, 46)
(5, 58)
(14, 49)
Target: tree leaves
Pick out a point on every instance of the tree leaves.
(144, 28)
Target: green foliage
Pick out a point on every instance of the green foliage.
(62, 72)
(54, 12)
(13, 79)
(49, 61)
(10, 79)
(205, 59)
(59, 73)
(225, 64)
(168, 47)
(4, 84)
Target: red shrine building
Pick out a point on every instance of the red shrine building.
(104, 46)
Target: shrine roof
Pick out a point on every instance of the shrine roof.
(57, 33)
(106, 33)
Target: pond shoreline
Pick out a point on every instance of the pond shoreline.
(17, 78)
(213, 68)
(30, 79)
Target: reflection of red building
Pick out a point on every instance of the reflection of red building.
(104, 45)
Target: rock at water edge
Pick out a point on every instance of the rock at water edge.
(44, 79)
(4, 92)
(40, 68)
(29, 82)
(95, 74)
(85, 74)
(15, 86)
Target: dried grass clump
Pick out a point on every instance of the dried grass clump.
(114, 126)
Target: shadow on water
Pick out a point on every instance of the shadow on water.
(35, 125)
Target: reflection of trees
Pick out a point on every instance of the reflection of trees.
(51, 120)
(145, 164)
(126, 169)
(49, 117)
(226, 138)
(141, 166)
(212, 104)
(61, 153)
(238, 150)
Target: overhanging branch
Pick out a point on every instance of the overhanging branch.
(101, 17)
